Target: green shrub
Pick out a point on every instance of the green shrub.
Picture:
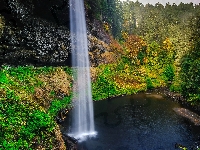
(37, 124)
(194, 98)
(169, 72)
(68, 70)
(57, 105)
(175, 88)
(103, 88)
(12, 116)
(20, 123)
(149, 83)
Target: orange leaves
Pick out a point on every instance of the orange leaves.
(133, 45)
(133, 48)
(116, 47)
(108, 57)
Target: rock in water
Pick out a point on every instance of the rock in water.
(193, 117)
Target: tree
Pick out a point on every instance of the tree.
(190, 66)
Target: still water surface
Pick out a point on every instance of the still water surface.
(144, 121)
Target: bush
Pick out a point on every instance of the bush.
(57, 105)
(169, 72)
(103, 88)
(175, 88)
(149, 83)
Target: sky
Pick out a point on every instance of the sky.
(166, 1)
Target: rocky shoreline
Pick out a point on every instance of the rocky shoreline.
(177, 97)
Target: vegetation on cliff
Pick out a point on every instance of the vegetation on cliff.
(142, 47)
(30, 99)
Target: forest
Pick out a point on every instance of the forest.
(146, 47)
(155, 45)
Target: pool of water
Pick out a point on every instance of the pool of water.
(144, 121)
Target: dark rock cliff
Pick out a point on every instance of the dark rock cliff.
(36, 32)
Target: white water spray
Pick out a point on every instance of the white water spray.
(83, 117)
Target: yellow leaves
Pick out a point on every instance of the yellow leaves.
(124, 34)
(152, 75)
(58, 81)
(2, 22)
(126, 67)
(167, 44)
(138, 62)
(60, 142)
(93, 73)
(92, 39)
(142, 71)
(106, 26)
(127, 79)
(154, 54)
(145, 60)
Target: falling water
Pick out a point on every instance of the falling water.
(83, 118)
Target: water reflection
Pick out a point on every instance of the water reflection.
(140, 122)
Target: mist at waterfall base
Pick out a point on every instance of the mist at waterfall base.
(82, 125)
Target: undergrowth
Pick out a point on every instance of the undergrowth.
(24, 122)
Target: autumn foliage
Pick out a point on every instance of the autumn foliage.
(134, 45)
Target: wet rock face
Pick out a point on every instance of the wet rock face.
(96, 29)
(35, 45)
(53, 11)
(37, 33)
(31, 38)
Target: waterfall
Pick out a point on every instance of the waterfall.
(83, 117)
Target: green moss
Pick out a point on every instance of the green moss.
(23, 119)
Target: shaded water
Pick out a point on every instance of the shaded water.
(139, 122)
(83, 118)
